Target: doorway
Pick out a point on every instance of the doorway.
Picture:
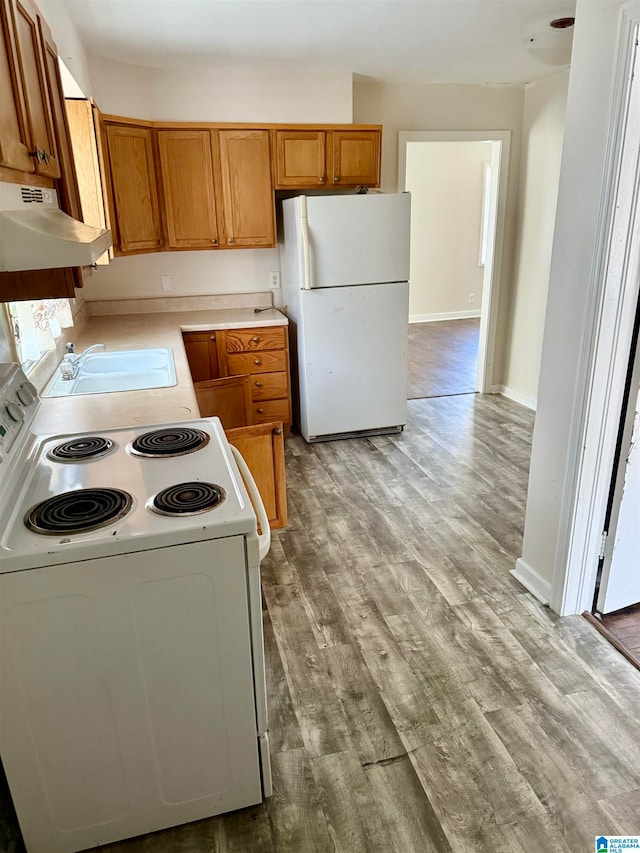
(458, 184)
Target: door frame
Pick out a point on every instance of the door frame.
(501, 143)
(613, 293)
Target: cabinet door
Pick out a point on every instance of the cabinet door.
(187, 180)
(356, 157)
(14, 130)
(245, 170)
(85, 156)
(300, 158)
(135, 191)
(228, 399)
(68, 186)
(31, 62)
(263, 450)
(202, 355)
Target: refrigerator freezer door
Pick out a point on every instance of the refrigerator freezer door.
(353, 359)
(358, 239)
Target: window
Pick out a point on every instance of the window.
(36, 325)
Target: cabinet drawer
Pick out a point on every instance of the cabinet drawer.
(271, 410)
(269, 386)
(249, 340)
(262, 362)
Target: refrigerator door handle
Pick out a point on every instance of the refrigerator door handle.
(304, 232)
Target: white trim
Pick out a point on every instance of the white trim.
(445, 315)
(610, 309)
(518, 396)
(501, 140)
(531, 580)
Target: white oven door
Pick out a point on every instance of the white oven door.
(127, 694)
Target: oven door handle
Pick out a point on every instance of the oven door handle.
(264, 538)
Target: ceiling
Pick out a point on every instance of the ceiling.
(437, 41)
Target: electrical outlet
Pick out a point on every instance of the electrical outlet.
(274, 280)
(472, 297)
(167, 285)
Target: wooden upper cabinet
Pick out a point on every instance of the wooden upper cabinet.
(247, 191)
(355, 157)
(14, 130)
(299, 158)
(31, 62)
(134, 187)
(68, 185)
(191, 209)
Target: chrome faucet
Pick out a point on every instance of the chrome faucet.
(71, 363)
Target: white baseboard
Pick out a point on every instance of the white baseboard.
(514, 394)
(447, 315)
(531, 580)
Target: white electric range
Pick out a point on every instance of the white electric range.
(132, 693)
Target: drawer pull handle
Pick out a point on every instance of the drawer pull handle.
(255, 339)
(257, 361)
(260, 411)
(258, 384)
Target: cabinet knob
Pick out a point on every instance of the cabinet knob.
(260, 411)
(230, 240)
(257, 361)
(215, 241)
(322, 179)
(336, 179)
(258, 384)
(212, 338)
(277, 431)
(255, 339)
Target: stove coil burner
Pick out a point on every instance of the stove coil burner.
(171, 441)
(78, 511)
(81, 449)
(187, 499)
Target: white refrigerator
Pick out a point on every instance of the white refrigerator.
(345, 271)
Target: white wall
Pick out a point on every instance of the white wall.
(424, 106)
(575, 229)
(201, 92)
(543, 132)
(446, 181)
(68, 42)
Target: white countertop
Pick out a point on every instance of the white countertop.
(154, 405)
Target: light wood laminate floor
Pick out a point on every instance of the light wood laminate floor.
(443, 357)
(420, 700)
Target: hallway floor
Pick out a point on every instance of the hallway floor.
(443, 358)
(420, 700)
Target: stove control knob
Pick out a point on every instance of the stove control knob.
(27, 393)
(15, 413)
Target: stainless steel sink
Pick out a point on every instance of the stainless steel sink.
(106, 372)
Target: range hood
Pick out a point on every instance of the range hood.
(35, 234)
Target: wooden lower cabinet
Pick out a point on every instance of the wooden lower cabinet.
(262, 447)
(260, 355)
(228, 399)
(202, 355)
